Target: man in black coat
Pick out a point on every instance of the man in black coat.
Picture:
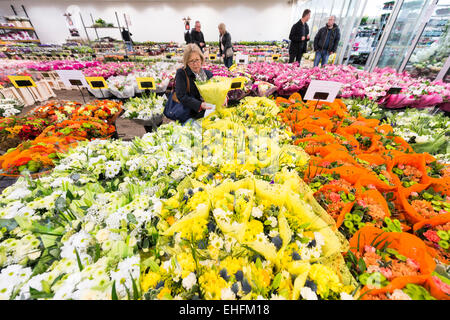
(197, 36)
(326, 41)
(299, 37)
(126, 36)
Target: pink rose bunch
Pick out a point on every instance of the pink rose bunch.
(218, 70)
(415, 92)
(63, 65)
(111, 69)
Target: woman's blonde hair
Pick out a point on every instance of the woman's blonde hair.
(222, 27)
(189, 50)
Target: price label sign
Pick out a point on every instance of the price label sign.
(75, 82)
(72, 78)
(97, 82)
(242, 59)
(1, 87)
(22, 81)
(237, 83)
(275, 57)
(146, 83)
(212, 57)
(323, 90)
(394, 90)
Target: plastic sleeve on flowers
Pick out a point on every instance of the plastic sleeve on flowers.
(416, 160)
(433, 222)
(411, 214)
(406, 244)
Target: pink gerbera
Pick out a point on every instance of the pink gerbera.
(441, 285)
(413, 263)
(432, 236)
(335, 197)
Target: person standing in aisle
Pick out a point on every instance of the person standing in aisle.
(326, 41)
(225, 46)
(299, 37)
(187, 32)
(126, 36)
(197, 36)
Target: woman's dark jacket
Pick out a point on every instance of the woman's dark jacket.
(226, 41)
(191, 100)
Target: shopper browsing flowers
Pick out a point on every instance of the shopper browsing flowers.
(186, 102)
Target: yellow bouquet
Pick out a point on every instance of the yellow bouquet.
(215, 90)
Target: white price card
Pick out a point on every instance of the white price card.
(241, 59)
(323, 90)
(213, 108)
(72, 78)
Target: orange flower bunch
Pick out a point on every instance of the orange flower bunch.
(376, 188)
(56, 110)
(71, 122)
(406, 260)
(101, 109)
(358, 166)
(80, 126)
(36, 155)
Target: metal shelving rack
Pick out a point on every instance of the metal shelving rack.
(96, 28)
(22, 28)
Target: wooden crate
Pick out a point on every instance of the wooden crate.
(44, 90)
(11, 93)
(41, 92)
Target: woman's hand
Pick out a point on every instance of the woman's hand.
(204, 106)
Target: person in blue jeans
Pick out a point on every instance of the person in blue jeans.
(126, 36)
(326, 42)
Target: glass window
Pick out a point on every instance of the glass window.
(433, 47)
(447, 76)
(403, 32)
(369, 31)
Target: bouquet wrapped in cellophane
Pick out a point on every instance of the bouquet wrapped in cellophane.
(242, 240)
(214, 90)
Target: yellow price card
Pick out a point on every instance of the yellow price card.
(212, 57)
(22, 81)
(275, 57)
(146, 83)
(237, 83)
(97, 82)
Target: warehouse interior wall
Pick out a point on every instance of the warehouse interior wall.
(160, 20)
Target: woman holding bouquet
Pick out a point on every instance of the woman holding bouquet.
(225, 46)
(186, 103)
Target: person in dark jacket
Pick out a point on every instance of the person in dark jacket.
(187, 32)
(299, 37)
(225, 46)
(197, 36)
(126, 37)
(326, 42)
(193, 60)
